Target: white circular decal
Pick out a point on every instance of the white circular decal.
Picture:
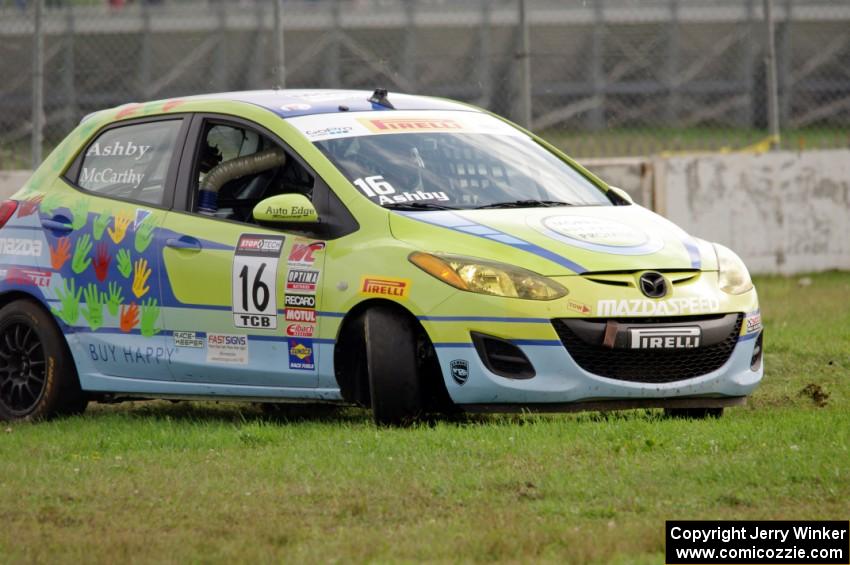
(597, 231)
(295, 107)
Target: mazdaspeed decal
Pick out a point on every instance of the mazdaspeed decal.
(254, 280)
(668, 307)
(385, 286)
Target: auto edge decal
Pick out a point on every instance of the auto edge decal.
(386, 287)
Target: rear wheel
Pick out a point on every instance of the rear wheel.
(693, 413)
(395, 386)
(38, 378)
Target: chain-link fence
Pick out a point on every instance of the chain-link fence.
(608, 77)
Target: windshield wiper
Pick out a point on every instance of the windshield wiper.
(525, 204)
(417, 206)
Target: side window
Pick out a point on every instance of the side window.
(130, 161)
(237, 167)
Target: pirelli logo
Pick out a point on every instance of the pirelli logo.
(389, 125)
(386, 287)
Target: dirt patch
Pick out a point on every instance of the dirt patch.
(816, 393)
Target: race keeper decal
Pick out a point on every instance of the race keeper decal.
(254, 279)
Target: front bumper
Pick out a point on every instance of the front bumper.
(559, 379)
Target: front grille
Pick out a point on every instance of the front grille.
(645, 365)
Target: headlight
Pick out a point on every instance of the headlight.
(733, 275)
(485, 277)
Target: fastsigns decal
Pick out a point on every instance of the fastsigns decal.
(385, 286)
(227, 348)
(254, 278)
(301, 355)
(669, 307)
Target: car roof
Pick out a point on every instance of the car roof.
(288, 103)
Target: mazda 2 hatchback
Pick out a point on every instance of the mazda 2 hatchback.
(403, 253)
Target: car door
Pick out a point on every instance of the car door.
(242, 300)
(103, 229)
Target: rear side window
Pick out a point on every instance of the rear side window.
(130, 162)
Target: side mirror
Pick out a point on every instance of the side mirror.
(622, 194)
(286, 209)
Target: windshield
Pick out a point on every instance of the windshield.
(466, 160)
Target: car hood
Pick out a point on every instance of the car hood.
(559, 241)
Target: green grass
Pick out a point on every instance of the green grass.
(204, 482)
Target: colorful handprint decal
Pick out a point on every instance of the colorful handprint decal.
(141, 273)
(101, 262)
(119, 229)
(81, 260)
(60, 254)
(129, 317)
(69, 301)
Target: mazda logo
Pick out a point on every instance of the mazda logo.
(653, 285)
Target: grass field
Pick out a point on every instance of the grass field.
(201, 482)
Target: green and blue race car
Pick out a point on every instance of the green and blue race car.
(404, 253)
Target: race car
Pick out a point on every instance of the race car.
(404, 253)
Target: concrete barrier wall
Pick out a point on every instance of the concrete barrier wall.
(782, 212)
(11, 182)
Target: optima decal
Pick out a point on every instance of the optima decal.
(669, 307)
(302, 279)
(393, 288)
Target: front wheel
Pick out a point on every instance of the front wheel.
(38, 379)
(391, 360)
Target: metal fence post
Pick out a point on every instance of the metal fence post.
(524, 58)
(770, 62)
(279, 53)
(37, 85)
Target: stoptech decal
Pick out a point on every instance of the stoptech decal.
(301, 354)
(302, 279)
(254, 279)
(669, 307)
(23, 247)
(307, 315)
(300, 301)
(304, 254)
(393, 288)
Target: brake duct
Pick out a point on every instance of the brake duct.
(225, 172)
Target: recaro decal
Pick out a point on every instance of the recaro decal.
(254, 279)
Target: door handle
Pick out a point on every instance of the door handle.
(56, 225)
(184, 242)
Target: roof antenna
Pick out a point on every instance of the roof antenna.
(380, 97)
